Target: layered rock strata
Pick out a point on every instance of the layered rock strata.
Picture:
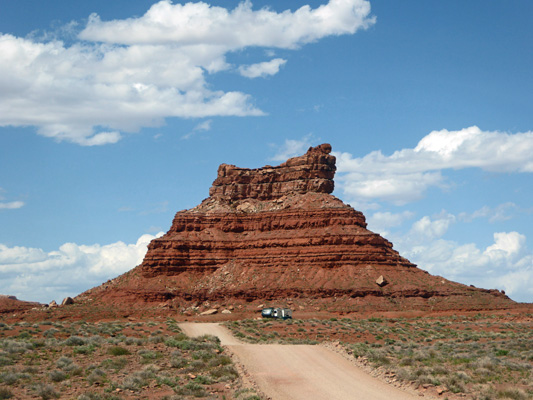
(278, 233)
(270, 217)
(312, 172)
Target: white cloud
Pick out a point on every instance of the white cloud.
(9, 205)
(405, 175)
(292, 148)
(506, 264)
(429, 229)
(194, 24)
(506, 245)
(33, 274)
(122, 75)
(201, 127)
(263, 69)
(381, 222)
(494, 214)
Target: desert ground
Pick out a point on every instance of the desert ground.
(67, 353)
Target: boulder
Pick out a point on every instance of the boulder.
(209, 312)
(381, 281)
(67, 301)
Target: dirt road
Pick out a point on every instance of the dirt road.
(301, 371)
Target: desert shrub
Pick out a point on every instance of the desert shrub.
(379, 357)
(139, 379)
(134, 341)
(96, 376)
(57, 376)
(75, 341)
(118, 351)
(177, 361)
(63, 362)
(167, 380)
(115, 364)
(219, 360)
(203, 380)
(454, 384)
(89, 396)
(194, 389)
(4, 360)
(514, 394)
(10, 378)
(501, 352)
(45, 391)
(486, 362)
(16, 346)
(202, 355)
(5, 393)
(156, 339)
(95, 340)
(224, 373)
(181, 342)
(148, 355)
(196, 366)
(133, 382)
(50, 333)
(86, 349)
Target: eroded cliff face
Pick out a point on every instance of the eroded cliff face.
(311, 173)
(276, 233)
(271, 217)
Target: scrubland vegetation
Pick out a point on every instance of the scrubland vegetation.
(113, 360)
(478, 357)
(481, 357)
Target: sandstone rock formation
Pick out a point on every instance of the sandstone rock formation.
(10, 304)
(278, 233)
(312, 172)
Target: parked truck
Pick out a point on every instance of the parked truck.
(276, 312)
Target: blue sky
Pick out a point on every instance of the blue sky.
(116, 115)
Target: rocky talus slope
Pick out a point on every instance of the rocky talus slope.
(277, 233)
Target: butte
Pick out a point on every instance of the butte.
(277, 235)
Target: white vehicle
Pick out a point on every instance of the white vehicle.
(276, 312)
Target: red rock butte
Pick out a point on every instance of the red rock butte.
(277, 233)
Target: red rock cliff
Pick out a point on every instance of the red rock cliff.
(312, 172)
(270, 217)
(278, 233)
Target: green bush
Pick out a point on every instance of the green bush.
(118, 351)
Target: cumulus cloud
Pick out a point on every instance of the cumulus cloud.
(200, 24)
(37, 275)
(405, 175)
(427, 228)
(263, 69)
(122, 75)
(505, 264)
(381, 222)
